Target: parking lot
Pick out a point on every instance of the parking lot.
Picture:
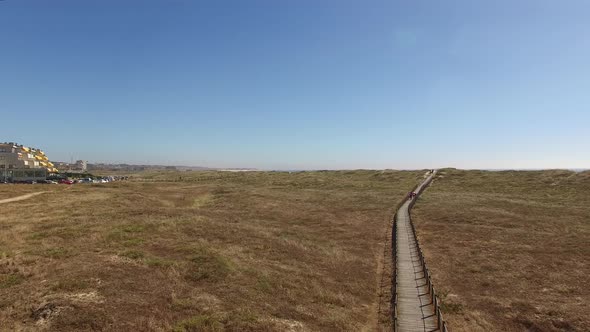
(68, 180)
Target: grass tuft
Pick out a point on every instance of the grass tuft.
(202, 200)
(38, 236)
(70, 285)
(208, 265)
(158, 262)
(199, 323)
(9, 280)
(132, 254)
(55, 253)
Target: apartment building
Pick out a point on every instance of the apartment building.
(81, 166)
(21, 163)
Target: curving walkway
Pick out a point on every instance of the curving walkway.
(20, 198)
(414, 309)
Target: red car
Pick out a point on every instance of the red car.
(65, 181)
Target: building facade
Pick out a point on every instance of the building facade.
(21, 163)
(82, 165)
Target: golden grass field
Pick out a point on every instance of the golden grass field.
(509, 251)
(9, 191)
(199, 251)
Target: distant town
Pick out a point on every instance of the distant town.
(20, 163)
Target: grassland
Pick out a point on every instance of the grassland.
(509, 250)
(199, 251)
(10, 190)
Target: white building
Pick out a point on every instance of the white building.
(81, 165)
(21, 163)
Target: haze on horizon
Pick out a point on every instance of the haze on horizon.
(299, 85)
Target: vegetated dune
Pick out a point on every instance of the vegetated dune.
(8, 191)
(200, 251)
(509, 250)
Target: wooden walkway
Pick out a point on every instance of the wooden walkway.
(414, 302)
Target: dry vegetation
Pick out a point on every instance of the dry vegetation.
(10, 190)
(198, 251)
(509, 250)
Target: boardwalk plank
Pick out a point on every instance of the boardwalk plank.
(414, 312)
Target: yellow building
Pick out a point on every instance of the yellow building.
(21, 163)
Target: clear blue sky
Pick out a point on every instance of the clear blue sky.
(299, 84)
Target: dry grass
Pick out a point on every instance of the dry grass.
(13, 190)
(209, 251)
(509, 250)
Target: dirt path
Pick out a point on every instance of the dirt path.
(20, 198)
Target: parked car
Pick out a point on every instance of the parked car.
(66, 181)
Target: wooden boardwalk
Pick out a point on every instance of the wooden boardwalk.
(414, 302)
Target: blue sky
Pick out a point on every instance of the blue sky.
(299, 84)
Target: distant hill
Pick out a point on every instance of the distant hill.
(135, 168)
(131, 167)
